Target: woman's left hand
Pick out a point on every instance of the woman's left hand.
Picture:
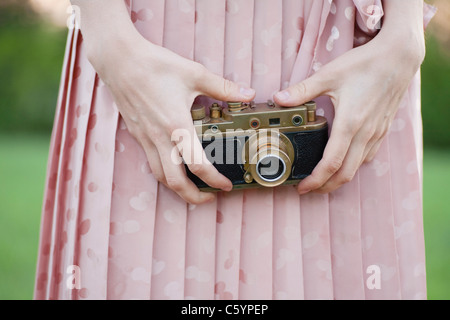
(366, 86)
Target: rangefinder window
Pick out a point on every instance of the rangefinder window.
(274, 122)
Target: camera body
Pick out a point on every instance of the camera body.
(260, 145)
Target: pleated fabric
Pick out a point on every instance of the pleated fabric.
(107, 220)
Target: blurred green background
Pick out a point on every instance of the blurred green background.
(32, 43)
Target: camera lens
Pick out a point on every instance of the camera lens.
(271, 168)
(268, 157)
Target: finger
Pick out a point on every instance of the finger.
(350, 165)
(149, 148)
(332, 160)
(304, 91)
(222, 89)
(154, 161)
(195, 158)
(373, 151)
(177, 180)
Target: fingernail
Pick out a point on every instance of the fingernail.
(283, 95)
(249, 92)
(228, 188)
(302, 192)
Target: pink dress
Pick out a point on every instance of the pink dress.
(132, 238)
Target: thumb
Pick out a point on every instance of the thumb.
(222, 89)
(302, 92)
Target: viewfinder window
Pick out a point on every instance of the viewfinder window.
(274, 121)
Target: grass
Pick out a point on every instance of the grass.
(437, 222)
(22, 173)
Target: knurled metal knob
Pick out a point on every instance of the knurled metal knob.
(198, 112)
(236, 106)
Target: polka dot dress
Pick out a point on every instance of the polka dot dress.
(111, 231)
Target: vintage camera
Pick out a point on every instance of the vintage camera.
(260, 145)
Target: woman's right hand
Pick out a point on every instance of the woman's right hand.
(154, 90)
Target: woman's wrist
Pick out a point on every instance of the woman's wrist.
(402, 33)
(108, 46)
(407, 43)
(107, 30)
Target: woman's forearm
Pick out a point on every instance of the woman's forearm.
(402, 28)
(106, 27)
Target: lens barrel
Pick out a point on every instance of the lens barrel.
(270, 168)
(269, 158)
